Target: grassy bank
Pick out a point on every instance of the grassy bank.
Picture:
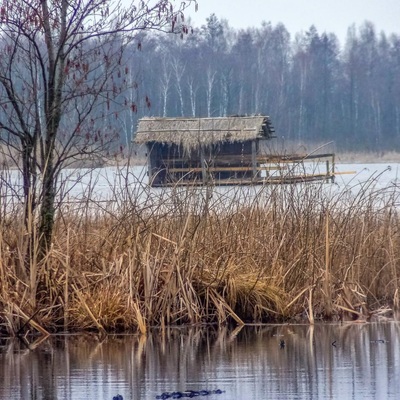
(192, 256)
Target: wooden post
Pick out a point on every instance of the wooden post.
(328, 171)
(152, 164)
(203, 165)
(254, 158)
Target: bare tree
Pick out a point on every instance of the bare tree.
(62, 75)
(179, 69)
(165, 80)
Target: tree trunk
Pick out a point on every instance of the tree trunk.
(47, 210)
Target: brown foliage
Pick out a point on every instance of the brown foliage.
(193, 256)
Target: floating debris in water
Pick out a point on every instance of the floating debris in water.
(188, 393)
(378, 341)
(282, 344)
(118, 397)
(334, 343)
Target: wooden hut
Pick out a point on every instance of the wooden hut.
(198, 151)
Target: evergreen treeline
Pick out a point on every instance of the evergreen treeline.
(314, 88)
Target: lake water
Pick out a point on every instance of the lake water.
(102, 184)
(130, 187)
(108, 180)
(348, 361)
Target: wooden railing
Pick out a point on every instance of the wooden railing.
(245, 170)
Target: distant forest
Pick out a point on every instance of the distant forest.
(314, 88)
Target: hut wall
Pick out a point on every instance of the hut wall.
(234, 155)
(169, 163)
(157, 173)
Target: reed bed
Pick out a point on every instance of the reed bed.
(204, 256)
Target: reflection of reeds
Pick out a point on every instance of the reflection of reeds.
(203, 255)
(194, 358)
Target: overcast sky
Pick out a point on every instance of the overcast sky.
(298, 15)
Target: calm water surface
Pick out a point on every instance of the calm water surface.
(349, 361)
(104, 183)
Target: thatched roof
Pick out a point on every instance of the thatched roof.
(193, 132)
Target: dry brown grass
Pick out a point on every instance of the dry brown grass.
(194, 256)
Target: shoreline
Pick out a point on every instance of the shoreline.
(139, 159)
(367, 158)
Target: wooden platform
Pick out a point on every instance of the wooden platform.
(263, 170)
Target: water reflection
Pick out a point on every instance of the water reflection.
(350, 361)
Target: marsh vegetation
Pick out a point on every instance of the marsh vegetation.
(176, 256)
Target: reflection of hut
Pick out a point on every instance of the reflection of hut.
(200, 150)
